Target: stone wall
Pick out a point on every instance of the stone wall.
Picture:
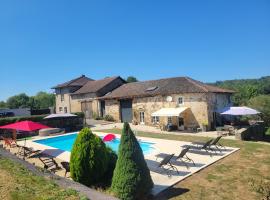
(194, 116)
(63, 104)
(216, 101)
(200, 108)
(112, 107)
(75, 105)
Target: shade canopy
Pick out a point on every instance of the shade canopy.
(60, 115)
(169, 112)
(238, 111)
(24, 126)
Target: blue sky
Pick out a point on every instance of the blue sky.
(43, 43)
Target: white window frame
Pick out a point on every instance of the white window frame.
(65, 109)
(62, 97)
(155, 120)
(182, 101)
(142, 117)
(169, 120)
(60, 109)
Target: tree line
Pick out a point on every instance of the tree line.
(41, 100)
(254, 93)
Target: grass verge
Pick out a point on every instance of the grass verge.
(18, 183)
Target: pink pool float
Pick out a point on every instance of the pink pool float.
(109, 137)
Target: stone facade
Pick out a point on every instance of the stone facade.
(200, 108)
(112, 107)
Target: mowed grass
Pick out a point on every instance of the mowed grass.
(228, 178)
(18, 183)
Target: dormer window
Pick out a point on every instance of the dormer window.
(180, 100)
(150, 89)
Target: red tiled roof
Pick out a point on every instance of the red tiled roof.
(166, 86)
(80, 81)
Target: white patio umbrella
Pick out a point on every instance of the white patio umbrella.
(238, 111)
(60, 115)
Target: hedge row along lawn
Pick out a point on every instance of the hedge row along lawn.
(228, 178)
(18, 183)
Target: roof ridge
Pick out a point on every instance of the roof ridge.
(73, 80)
(156, 80)
(196, 83)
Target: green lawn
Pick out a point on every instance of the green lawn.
(229, 178)
(18, 183)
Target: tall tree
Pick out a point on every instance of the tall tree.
(131, 177)
(44, 100)
(3, 104)
(262, 104)
(18, 101)
(131, 79)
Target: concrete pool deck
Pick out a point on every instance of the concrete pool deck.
(162, 148)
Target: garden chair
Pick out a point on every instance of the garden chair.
(27, 151)
(9, 142)
(216, 143)
(205, 146)
(49, 163)
(65, 165)
(167, 162)
(184, 158)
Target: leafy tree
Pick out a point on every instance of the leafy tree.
(40, 101)
(131, 79)
(89, 159)
(44, 100)
(18, 101)
(131, 178)
(262, 104)
(3, 104)
(246, 88)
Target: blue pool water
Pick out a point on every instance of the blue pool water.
(65, 143)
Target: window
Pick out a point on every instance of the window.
(155, 120)
(60, 109)
(151, 89)
(180, 100)
(62, 97)
(65, 109)
(169, 120)
(142, 117)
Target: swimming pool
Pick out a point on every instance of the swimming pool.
(66, 142)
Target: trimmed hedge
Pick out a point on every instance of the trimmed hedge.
(79, 114)
(131, 178)
(109, 118)
(9, 120)
(90, 160)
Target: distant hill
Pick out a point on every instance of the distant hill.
(246, 88)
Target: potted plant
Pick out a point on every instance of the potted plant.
(204, 126)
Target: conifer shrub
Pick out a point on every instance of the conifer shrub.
(89, 159)
(131, 177)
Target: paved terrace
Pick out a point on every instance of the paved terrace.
(102, 125)
(161, 148)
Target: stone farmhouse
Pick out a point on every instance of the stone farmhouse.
(81, 95)
(181, 101)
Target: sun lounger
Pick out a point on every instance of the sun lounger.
(216, 143)
(167, 162)
(184, 158)
(27, 151)
(65, 165)
(205, 146)
(49, 163)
